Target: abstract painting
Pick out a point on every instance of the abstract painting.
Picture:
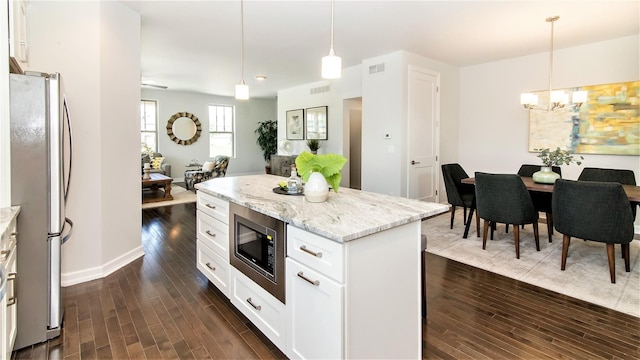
(607, 123)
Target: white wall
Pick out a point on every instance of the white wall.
(494, 127)
(248, 159)
(383, 97)
(300, 97)
(96, 48)
(385, 111)
(5, 140)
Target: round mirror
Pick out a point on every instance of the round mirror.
(184, 128)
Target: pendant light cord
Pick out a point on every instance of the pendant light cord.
(552, 20)
(331, 48)
(242, 41)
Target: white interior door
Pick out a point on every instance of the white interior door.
(423, 136)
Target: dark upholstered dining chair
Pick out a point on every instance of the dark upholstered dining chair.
(596, 211)
(458, 194)
(541, 201)
(622, 176)
(503, 198)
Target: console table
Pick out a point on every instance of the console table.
(281, 164)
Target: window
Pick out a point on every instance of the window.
(221, 130)
(148, 129)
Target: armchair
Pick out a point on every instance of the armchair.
(165, 168)
(210, 169)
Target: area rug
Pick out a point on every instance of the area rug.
(180, 196)
(587, 271)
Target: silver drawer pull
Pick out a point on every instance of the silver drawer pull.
(5, 255)
(312, 282)
(210, 206)
(12, 300)
(210, 233)
(316, 254)
(211, 267)
(257, 307)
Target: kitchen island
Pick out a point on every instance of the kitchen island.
(352, 268)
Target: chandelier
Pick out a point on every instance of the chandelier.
(558, 98)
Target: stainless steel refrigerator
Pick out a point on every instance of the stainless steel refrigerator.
(41, 152)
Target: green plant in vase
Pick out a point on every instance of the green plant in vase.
(557, 157)
(313, 145)
(327, 165)
(551, 158)
(267, 140)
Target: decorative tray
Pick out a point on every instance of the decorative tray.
(281, 191)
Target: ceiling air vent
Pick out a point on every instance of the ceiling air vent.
(376, 68)
(320, 89)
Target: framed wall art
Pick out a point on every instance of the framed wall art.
(295, 124)
(316, 123)
(607, 123)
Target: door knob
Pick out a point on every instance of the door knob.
(413, 162)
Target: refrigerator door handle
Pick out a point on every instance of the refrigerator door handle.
(66, 237)
(66, 112)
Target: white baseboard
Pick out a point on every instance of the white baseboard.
(73, 278)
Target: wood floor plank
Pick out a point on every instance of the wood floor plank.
(160, 306)
(116, 338)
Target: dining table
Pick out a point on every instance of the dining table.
(632, 191)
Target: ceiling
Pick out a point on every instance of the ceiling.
(195, 45)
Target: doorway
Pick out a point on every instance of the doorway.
(423, 134)
(353, 129)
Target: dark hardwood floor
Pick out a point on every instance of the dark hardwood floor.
(160, 307)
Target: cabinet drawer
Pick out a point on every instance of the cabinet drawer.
(10, 236)
(214, 267)
(213, 206)
(266, 312)
(319, 253)
(214, 233)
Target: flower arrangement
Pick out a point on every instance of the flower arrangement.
(557, 157)
(329, 165)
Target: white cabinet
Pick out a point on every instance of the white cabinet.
(315, 306)
(18, 28)
(8, 305)
(212, 247)
(358, 299)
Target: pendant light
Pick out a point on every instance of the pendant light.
(331, 64)
(242, 89)
(557, 99)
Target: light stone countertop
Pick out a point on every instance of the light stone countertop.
(346, 215)
(6, 216)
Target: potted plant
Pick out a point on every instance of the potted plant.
(267, 140)
(319, 171)
(313, 145)
(549, 159)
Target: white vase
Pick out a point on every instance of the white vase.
(316, 189)
(545, 175)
